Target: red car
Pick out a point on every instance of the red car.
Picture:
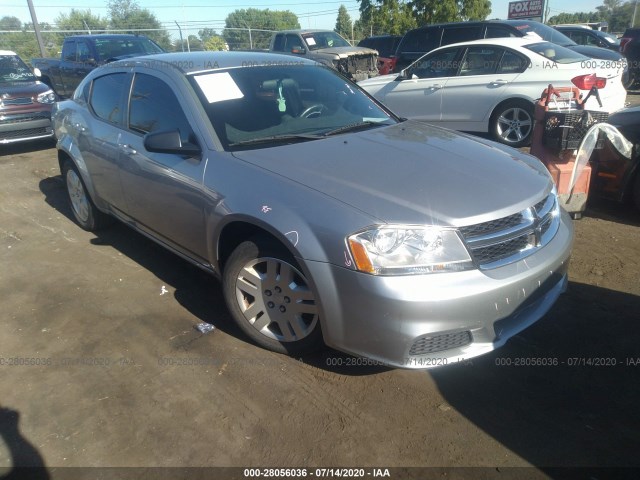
(25, 102)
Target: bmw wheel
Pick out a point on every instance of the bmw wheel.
(270, 299)
(512, 123)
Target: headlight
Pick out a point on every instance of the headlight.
(47, 97)
(409, 250)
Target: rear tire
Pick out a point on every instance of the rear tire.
(84, 210)
(270, 299)
(512, 123)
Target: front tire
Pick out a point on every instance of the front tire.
(512, 123)
(84, 210)
(270, 299)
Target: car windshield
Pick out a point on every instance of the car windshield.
(253, 107)
(544, 31)
(109, 48)
(13, 69)
(317, 40)
(609, 37)
(556, 53)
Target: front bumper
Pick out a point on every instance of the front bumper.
(18, 127)
(433, 320)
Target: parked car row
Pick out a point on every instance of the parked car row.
(417, 42)
(491, 85)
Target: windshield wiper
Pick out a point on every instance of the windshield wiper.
(352, 127)
(276, 139)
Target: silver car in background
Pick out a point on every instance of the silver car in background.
(327, 218)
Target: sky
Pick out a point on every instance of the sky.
(193, 15)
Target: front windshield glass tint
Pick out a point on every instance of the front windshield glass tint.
(556, 53)
(545, 32)
(111, 48)
(13, 69)
(317, 40)
(253, 103)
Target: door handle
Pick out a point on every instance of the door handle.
(436, 86)
(499, 82)
(128, 149)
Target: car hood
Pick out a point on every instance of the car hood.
(412, 173)
(596, 52)
(22, 89)
(344, 52)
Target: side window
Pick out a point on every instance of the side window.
(481, 61)
(83, 52)
(460, 34)
(154, 107)
(496, 31)
(512, 63)
(293, 41)
(441, 64)
(412, 41)
(106, 96)
(69, 51)
(278, 43)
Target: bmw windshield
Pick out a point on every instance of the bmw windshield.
(260, 106)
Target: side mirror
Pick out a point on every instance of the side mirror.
(169, 142)
(402, 75)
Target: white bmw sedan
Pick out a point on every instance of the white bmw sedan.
(491, 85)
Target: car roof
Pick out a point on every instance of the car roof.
(190, 62)
(568, 25)
(513, 22)
(7, 52)
(307, 30)
(513, 42)
(107, 35)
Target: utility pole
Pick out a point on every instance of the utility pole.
(250, 40)
(87, 27)
(180, 30)
(36, 27)
(633, 18)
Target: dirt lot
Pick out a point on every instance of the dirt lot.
(100, 364)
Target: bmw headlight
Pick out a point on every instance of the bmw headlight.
(409, 250)
(47, 97)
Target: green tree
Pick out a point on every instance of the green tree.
(216, 43)
(393, 17)
(343, 23)
(23, 40)
(253, 28)
(76, 22)
(128, 16)
(206, 33)
(10, 23)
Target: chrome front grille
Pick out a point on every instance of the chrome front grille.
(509, 239)
(17, 101)
(23, 117)
(439, 343)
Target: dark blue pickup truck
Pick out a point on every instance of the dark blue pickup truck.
(83, 53)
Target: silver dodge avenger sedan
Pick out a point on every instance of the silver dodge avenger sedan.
(326, 217)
